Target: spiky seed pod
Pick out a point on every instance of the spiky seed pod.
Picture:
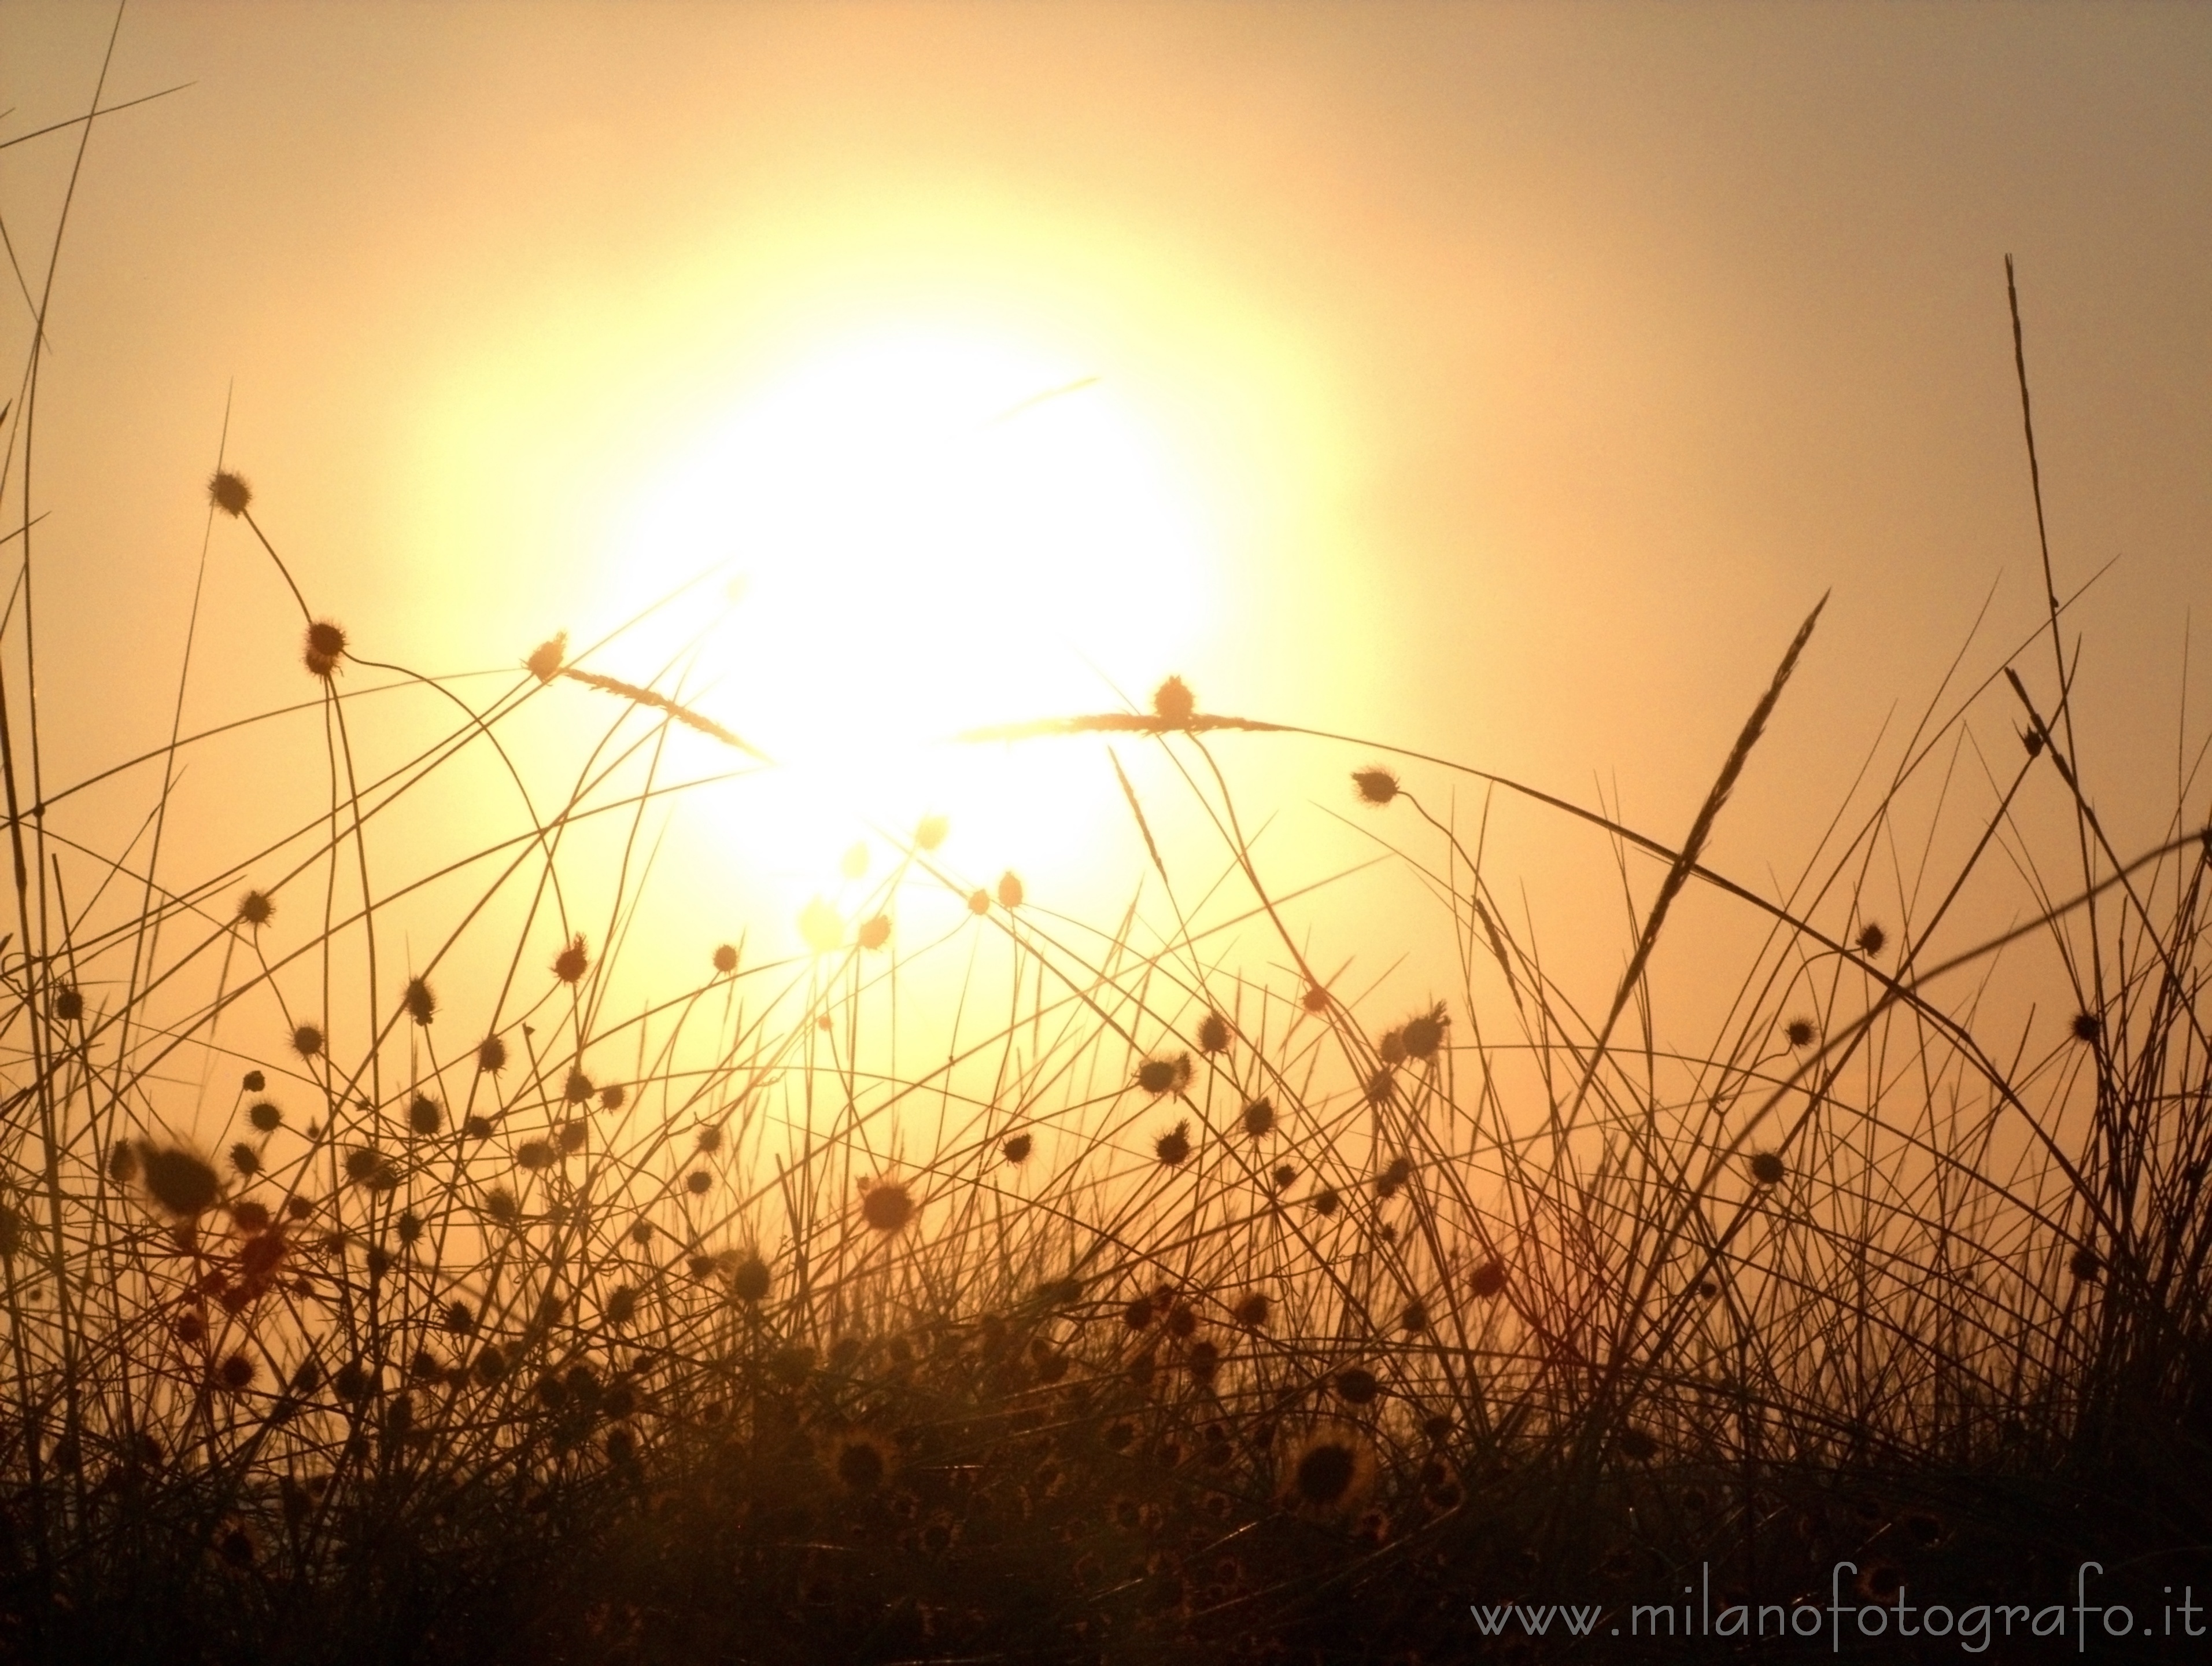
(236, 1373)
(177, 1181)
(752, 1280)
(410, 1227)
(1203, 1360)
(1425, 1034)
(699, 1182)
(930, 831)
(425, 1115)
(2086, 1264)
(622, 1304)
(726, 958)
(1010, 892)
(1391, 1048)
(1173, 1147)
(2088, 1027)
(326, 646)
(228, 492)
(1767, 1168)
(491, 1365)
(1799, 1032)
(1213, 1034)
(1872, 940)
(1252, 1312)
(1285, 1176)
(1393, 1179)
(874, 933)
(1329, 1471)
(532, 1155)
(254, 1081)
(246, 1159)
(1259, 1118)
(1488, 1279)
(1182, 1321)
(545, 660)
(612, 1095)
(1140, 1313)
(570, 964)
(1174, 703)
(1325, 1200)
(257, 908)
(860, 1461)
(68, 1004)
(477, 1127)
(491, 1054)
(250, 1217)
(1414, 1319)
(1315, 998)
(460, 1319)
(887, 1206)
(422, 1003)
(362, 1164)
(979, 901)
(1358, 1386)
(265, 1116)
(1376, 786)
(577, 1089)
(499, 1203)
(1016, 1148)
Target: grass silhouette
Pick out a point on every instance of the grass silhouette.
(366, 1305)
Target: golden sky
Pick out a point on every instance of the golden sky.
(1503, 382)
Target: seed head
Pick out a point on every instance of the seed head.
(422, 1004)
(887, 1206)
(1636, 1446)
(1800, 1032)
(1424, 1034)
(622, 1304)
(1259, 1118)
(532, 1155)
(577, 1088)
(249, 1217)
(1315, 998)
(570, 963)
(1488, 1279)
(930, 831)
(698, 1182)
(327, 646)
(1252, 1312)
(2088, 1027)
(499, 1203)
(1873, 940)
(1376, 787)
(2086, 1264)
(860, 1460)
(1414, 1319)
(362, 1164)
(1203, 1360)
(1009, 890)
(491, 1054)
(1213, 1033)
(979, 901)
(236, 1373)
(1393, 1179)
(1358, 1387)
(545, 660)
(1284, 1173)
(1325, 1200)
(1328, 1473)
(1162, 1076)
(571, 1137)
(1767, 1168)
(68, 1004)
(424, 1115)
(1174, 703)
(1016, 1148)
(255, 1081)
(1173, 1147)
(875, 932)
(180, 1182)
(228, 492)
(246, 1159)
(750, 1282)
(306, 1041)
(726, 957)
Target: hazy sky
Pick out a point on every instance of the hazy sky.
(1505, 381)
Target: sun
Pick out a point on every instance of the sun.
(915, 532)
(924, 532)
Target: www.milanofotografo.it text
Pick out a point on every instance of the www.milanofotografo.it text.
(2084, 1621)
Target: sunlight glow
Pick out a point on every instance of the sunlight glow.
(921, 532)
